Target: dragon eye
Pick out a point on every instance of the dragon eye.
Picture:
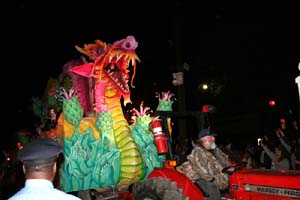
(127, 45)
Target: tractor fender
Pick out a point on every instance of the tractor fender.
(189, 188)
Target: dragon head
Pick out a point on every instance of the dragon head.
(111, 65)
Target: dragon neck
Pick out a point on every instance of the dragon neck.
(115, 108)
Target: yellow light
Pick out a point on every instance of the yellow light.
(172, 163)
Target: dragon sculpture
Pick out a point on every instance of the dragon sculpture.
(102, 149)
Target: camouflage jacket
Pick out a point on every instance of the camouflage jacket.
(202, 164)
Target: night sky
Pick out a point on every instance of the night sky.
(251, 51)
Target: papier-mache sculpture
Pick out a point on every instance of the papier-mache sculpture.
(100, 148)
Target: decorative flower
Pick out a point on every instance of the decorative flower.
(167, 96)
(143, 110)
(67, 95)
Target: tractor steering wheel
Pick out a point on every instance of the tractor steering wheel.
(236, 166)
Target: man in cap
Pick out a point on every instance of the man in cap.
(205, 164)
(39, 166)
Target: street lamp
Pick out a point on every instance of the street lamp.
(204, 86)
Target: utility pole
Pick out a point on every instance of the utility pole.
(179, 60)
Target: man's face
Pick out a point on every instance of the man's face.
(208, 142)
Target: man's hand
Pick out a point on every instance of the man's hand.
(231, 169)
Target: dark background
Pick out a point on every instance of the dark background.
(251, 51)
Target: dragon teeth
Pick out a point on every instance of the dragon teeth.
(118, 57)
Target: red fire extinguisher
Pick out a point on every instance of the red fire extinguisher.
(159, 137)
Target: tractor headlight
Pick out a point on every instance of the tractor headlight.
(247, 187)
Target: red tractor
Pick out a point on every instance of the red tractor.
(246, 184)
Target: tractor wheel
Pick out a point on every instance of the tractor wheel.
(84, 194)
(157, 189)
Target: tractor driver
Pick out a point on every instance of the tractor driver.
(205, 163)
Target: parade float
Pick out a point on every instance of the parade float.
(101, 148)
(104, 152)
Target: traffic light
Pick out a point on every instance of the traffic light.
(208, 108)
(272, 103)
